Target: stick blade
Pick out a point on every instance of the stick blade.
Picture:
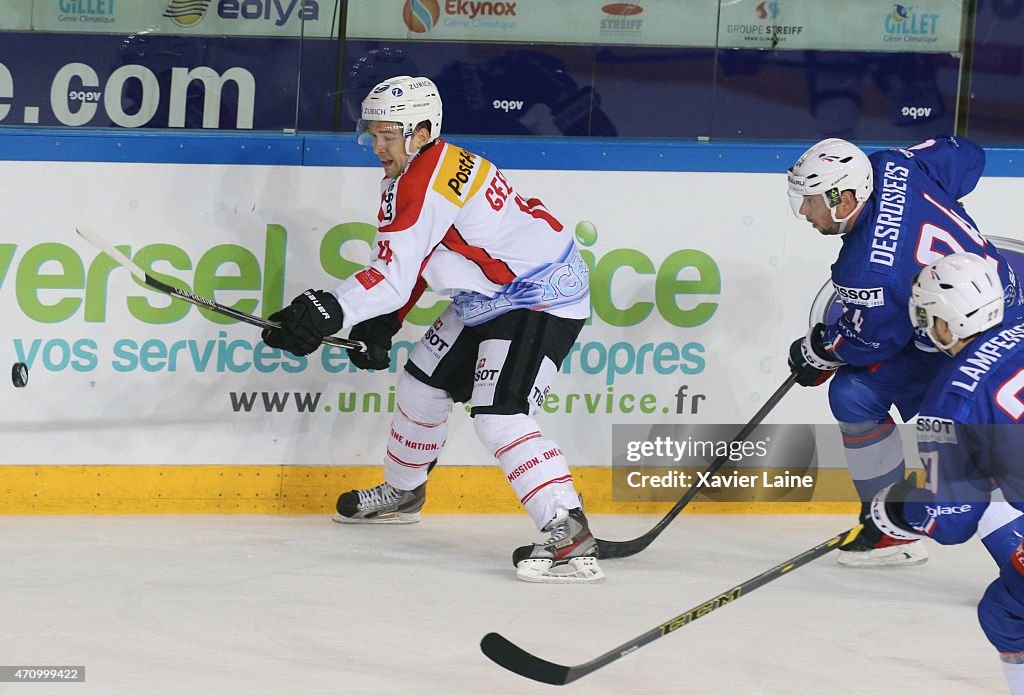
(613, 550)
(511, 657)
(109, 249)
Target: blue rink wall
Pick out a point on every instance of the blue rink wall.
(561, 154)
(251, 484)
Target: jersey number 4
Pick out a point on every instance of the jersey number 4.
(384, 251)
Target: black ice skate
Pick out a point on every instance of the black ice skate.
(381, 505)
(569, 555)
(888, 552)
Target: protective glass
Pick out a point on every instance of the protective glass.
(796, 201)
(828, 200)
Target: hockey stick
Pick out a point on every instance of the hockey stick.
(515, 659)
(109, 249)
(607, 550)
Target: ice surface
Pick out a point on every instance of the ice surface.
(285, 604)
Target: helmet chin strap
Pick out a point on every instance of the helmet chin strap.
(843, 222)
(409, 148)
(945, 347)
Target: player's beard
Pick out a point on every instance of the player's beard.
(829, 231)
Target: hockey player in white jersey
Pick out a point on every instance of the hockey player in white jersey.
(520, 296)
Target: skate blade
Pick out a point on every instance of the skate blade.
(883, 558)
(578, 570)
(412, 518)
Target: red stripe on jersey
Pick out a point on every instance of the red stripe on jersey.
(535, 208)
(494, 269)
(417, 292)
(412, 189)
(369, 277)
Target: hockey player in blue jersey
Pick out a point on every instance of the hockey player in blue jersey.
(896, 211)
(970, 437)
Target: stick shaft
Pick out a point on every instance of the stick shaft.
(150, 281)
(616, 549)
(512, 657)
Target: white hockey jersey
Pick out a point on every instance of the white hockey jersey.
(453, 218)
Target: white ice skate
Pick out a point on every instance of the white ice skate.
(568, 556)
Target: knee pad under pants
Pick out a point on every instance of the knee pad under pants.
(421, 402)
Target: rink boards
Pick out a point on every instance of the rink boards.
(700, 280)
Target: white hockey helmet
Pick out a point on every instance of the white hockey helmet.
(962, 289)
(827, 169)
(407, 101)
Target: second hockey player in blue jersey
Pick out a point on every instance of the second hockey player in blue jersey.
(970, 436)
(896, 211)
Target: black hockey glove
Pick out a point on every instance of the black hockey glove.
(883, 520)
(376, 333)
(310, 317)
(810, 361)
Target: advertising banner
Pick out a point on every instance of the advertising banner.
(600, 22)
(149, 81)
(695, 293)
(928, 26)
(282, 18)
(16, 15)
(699, 282)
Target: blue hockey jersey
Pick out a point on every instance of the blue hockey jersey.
(911, 219)
(970, 434)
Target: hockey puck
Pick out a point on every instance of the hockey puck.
(19, 374)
